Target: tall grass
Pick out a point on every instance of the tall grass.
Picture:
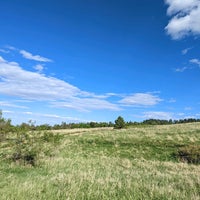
(136, 163)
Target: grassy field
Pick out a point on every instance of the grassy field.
(135, 163)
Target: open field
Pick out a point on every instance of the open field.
(134, 163)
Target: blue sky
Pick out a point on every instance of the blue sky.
(78, 61)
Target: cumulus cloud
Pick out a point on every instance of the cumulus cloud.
(185, 18)
(176, 6)
(141, 99)
(29, 56)
(15, 81)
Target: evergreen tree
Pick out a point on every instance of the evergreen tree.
(120, 123)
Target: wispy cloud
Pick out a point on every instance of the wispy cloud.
(26, 54)
(172, 100)
(141, 99)
(30, 85)
(158, 115)
(10, 47)
(53, 116)
(86, 104)
(188, 108)
(11, 105)
(181, 69)
(17, 82)
(29, 56)
(2, 60)
(39, 68)
(7, 111)
(185, 18)
(195, 61)
(185, 51)
(4, 51)
(40, 118)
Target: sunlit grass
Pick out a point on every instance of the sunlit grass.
(134, 163)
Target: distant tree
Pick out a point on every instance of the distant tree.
(5, 126)
(93, 124)
(120, 123)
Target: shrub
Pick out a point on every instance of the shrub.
(5, 127)
(26, 148)
(51, 137)
(189, 154)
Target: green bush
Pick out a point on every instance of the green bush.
(26, 148)
(51, 137)
(5, 127)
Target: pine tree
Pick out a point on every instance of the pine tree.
(120, 123)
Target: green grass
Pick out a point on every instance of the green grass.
(135, 163)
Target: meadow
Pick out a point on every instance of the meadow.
(104, 163)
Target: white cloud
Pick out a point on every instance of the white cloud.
(2, 60)
(181, 69)
(40, 118)
(29, 56)
(39, 68)
(172, 100)
(23, 101)
(141, 99)
(186, 115)
(185, 51)
(8, 104)
(30, 85)
(195, 61)
(52, 116)
(86, 104)
(7, 111)
(4, 51)
(10, 47)
(158, 115)
(190, 117)
(185, 18)
(176, 6)
(188, 108)
(15, 81)
(180, 114)
(27, 113)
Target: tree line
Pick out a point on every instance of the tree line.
(6, 125)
